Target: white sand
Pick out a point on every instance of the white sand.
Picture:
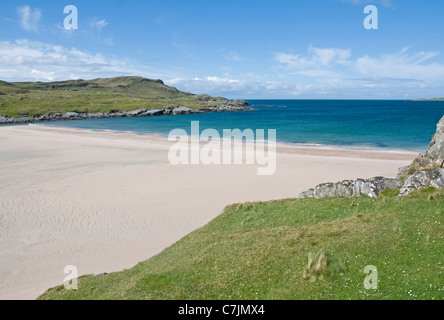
(105, 201)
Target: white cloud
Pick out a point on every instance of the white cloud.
(96, 26)
(211, 84)
(323, 63)
(332, 73)
(25, 60)
(236, 88)
(401, 65)
(29, 18)
(100, 24)
(316, 63)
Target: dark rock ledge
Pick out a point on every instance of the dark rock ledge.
(232, 107)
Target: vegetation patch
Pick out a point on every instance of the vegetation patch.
(294, 249)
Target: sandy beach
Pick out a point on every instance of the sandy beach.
(104, 201)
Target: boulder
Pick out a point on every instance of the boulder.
(135, 113)
(423, 179)
(155, 112)
(182, 110)
(4, 119)
(352, 188)
(168, 111)
(97, 115)
(71, 114)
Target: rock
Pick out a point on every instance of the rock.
(101, 274)
(96, 115)
(155, 112)
(135, 113)
(434, 155)
(66, 116)
(168, 111)
(423, 179)
(307, 194)
(352, 188)
(4, 119)
(71, 114)
(239, 103)
(402, 172)
(182, 110)
(229, 108)
(205, 98)
(328, 190)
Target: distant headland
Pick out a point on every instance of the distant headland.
(27, 102)
(433, 99)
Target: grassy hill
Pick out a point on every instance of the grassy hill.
(93, 96)
(263, 251)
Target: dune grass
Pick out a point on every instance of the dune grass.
(94, 96)
(294, 249)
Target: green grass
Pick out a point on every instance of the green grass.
(262, 251)
(93, 96)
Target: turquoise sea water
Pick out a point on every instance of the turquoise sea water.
(390, 124)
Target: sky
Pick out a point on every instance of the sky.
(280, 49)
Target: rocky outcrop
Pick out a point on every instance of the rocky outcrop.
(352, 188)
(372, 187)
(434, 155)
(231, 106)
(423, 179)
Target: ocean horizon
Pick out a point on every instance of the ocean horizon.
(360, 124)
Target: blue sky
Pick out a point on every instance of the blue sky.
(238, 49)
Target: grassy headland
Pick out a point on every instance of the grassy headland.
(294, 249)
(95, 96)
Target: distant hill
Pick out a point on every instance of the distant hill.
(434, 99)
(94, 96)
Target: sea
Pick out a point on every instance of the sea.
(355, 124)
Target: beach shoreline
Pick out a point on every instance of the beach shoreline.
(281, 146)
(104, 201)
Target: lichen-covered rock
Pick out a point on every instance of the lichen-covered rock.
(403, 172)
(434, 155)
(352, 188)
(423, 179)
